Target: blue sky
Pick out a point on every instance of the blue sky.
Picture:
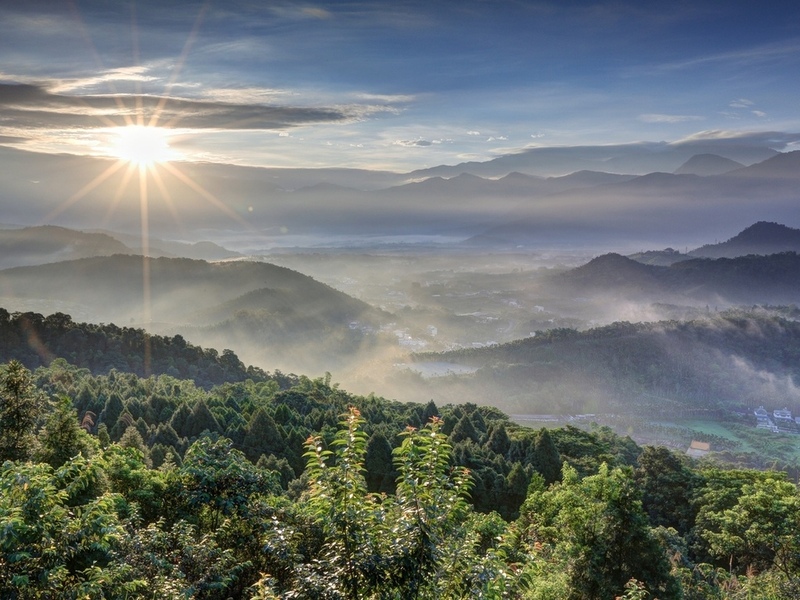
(398, 85)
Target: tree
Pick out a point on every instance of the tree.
(262, 436)
(55, 540)
(498, 441)
(667, 486)
(201, 419)
(761, 531)
(595, 531)
(218, 480)
(464, 430)
(546, 458)
(381, 473)
(62, 436)
(20, 407)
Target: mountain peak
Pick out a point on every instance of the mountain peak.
(707, 164)
(762, 237)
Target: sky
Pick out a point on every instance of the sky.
(392, 85)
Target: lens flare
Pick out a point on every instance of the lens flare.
(142, 146)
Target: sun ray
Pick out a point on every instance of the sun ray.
(179, 64)
(159, 181)
(205, 194)
(99, 64)
(144, 218)
(118, 194)
(84, 190)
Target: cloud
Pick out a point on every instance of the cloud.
(11, 139)
(136, 74)
(788, 49)
(759, 113)
(661, 118)
(498, 138)
(317, 13)
(413, 143)
(36, 107)
(741, 103)
(388, 98)
(767, 139)
(473, 133)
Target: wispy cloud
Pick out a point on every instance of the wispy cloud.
(741, 103)
(413, 143)
(317, 13)
(785, 49)
(769, 139)
(387, 98)
(662, 118)
(132, 74)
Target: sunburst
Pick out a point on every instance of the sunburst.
(141, 145)
(144, 146)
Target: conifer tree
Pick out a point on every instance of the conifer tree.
(20, 407)
(547, 460)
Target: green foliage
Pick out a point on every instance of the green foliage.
(218, 480)
(761, 530)
(595, 531)
(20, 407)
(62, 437)
(53, 545)
(667, 485)
(102, 348)
(364, 520)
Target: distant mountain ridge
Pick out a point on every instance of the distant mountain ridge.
(49, 243)
(760, 238)
(668, 368)
(578, 196)
(752, 279)
(707, 164)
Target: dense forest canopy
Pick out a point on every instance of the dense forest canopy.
(258, 485)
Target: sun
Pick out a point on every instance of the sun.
(141, 146)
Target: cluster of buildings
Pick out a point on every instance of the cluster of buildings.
(779, 421)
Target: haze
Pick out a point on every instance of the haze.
(432, 166)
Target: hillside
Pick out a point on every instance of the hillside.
(669, 369)
(101, 348)
(760, 238)
(47, 244)
(752, 279)
(264, 312)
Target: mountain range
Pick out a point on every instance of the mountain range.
(751, 279)
(619, 197)
(36, 245)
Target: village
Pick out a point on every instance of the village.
(780, 421)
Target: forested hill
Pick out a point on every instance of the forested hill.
(730, 359)
(48, 243)
(752, 279)
(269, 315)
(111, 288)
(115, 486)
(760, 238)
(36, 340)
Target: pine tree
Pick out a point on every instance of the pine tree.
(547, 460)
(378, 462)
(20, 407)
(262, 437)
